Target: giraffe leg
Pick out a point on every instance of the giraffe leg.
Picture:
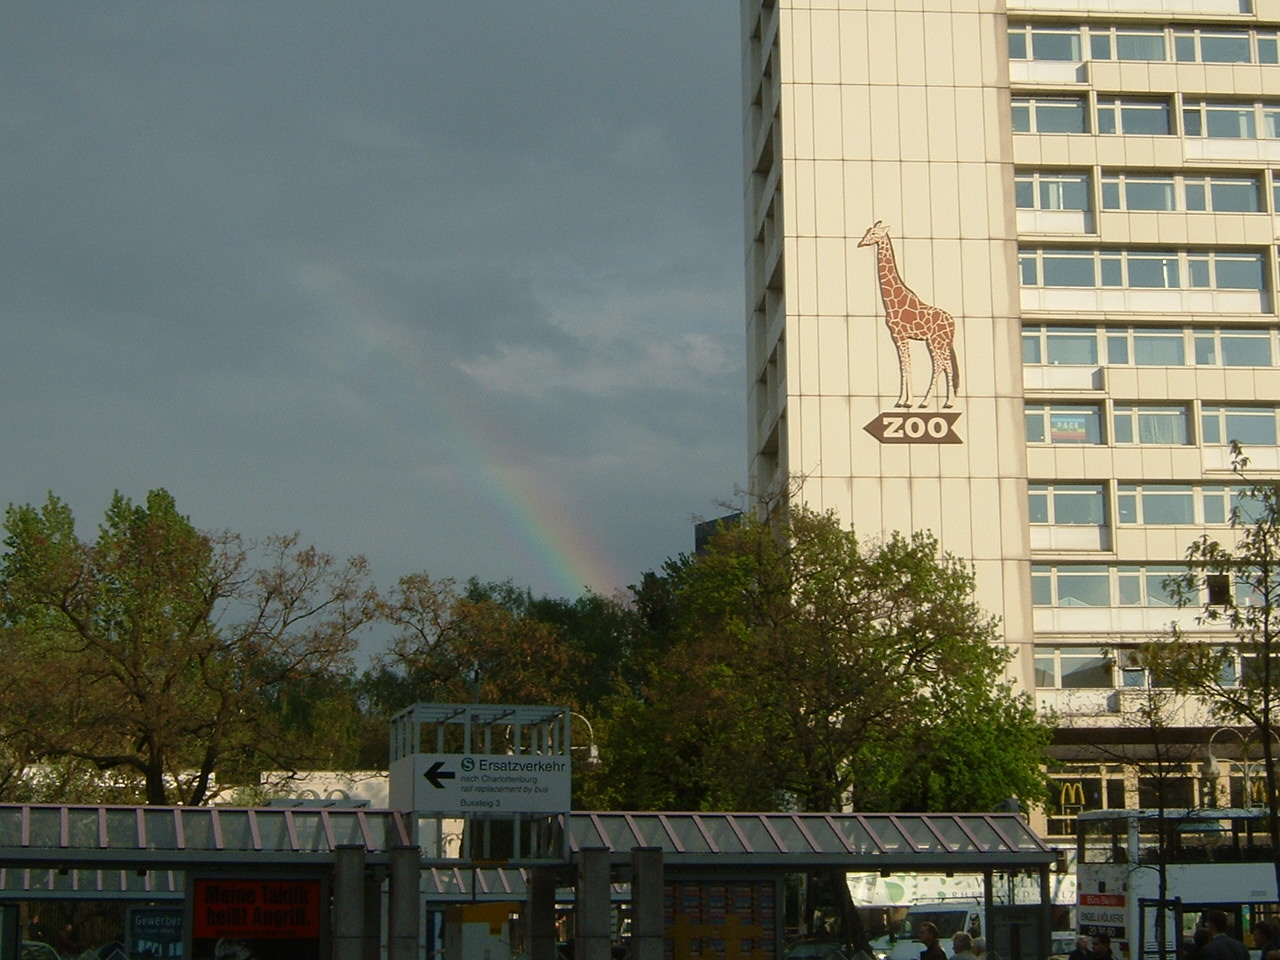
(933, 377)
(904, 372)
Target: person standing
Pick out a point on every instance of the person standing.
(1264, 938)
(1083, 950)
(1220, 946)
(929, 937)
(962, 946)
(1100, 947)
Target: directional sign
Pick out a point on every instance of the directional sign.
(457, 783)
(914, 428)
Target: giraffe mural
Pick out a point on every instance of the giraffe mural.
(910, 318)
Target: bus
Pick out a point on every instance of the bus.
(1208, 858)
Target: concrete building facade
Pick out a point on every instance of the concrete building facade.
(1011, 277)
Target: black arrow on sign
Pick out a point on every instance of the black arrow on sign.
(434, 775)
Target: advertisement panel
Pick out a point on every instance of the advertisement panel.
(1101, 913)
(256, 919)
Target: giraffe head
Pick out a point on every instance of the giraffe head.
(875, 233)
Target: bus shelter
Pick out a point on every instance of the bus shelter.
(289, 883)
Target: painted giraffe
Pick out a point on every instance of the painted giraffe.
(910, 318)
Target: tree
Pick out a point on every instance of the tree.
(1236, 585)
(804, 667)
(148, 662)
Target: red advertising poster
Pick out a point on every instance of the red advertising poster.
(266, 919)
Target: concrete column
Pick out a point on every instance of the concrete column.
(646, 903)
(348, 902)
(593, 906)
(540, 913)
(372, 949)
(404, 904)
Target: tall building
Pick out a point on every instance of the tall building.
(1011, 274)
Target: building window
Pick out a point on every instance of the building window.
(1065, 346)
(1225, 46)
(1232, 121)
(1145, 586)
(1159, 504)
(1078, 585)
(1249, 426)
(1149, 425)
(1044, 43)
(1125, 191)
(1146, 347)
(1051, 191)
(1067, 668)
(1141, 269)
(1134, 117)
(1081, 504)
(1063, 423)
(1048, 115)
(1124, 43)
(1233, 348)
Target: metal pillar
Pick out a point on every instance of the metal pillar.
(348, 902)
(372, 949)
(540, 919)
(593, 906)
(403, 904)
(646, 903)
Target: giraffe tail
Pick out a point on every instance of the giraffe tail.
(955, 370)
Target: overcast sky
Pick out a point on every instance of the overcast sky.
(455, 285)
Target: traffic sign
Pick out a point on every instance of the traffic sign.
(454, 783)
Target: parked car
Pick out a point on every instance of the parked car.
(35, 950)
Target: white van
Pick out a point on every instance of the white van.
(950, 917)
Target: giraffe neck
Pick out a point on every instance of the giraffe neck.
(891, 285)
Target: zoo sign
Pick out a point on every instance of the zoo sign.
(914, 428)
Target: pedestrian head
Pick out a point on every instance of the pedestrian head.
(1101, 944)
(928, 932)
(960, 942)
(1216, 921)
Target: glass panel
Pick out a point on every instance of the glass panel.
(1085, 667)
(1224, 48)
(1117, 349)
(1030, 348)
(1139, 46)
(236, 834)
(1064, 193)
(1083, 587)
(1152, 271)
(1157, 595)
(11, 827)
(1193, 122)
(275, 831)
(1028, 275)
(345, 826)
(687, 833)
(1146, 119)
(82, 827)
(1234, 123)
(161, 829)
(1112, 272)
(1246, 350)
(826, 839)
(856, 835)
(1162, 426)
(197, 829)
(1168, 505)
(1100, 46)
(1267, 51)
(1111, 194)
(1021, 116)
(1077, 425)
(1072, 347)
(1239, 272)
(1164, 348)
(922, 838)
(1060, 116)
(1198, 271)
(1042, 586)
(1068, 270)
(1045, 668)
(791, 836)
(652, 832)
(1017, 43)
(1251, 427)
(758, 839)
(722, 835)
(1127, 507)
(1211, 428)
(46, 827)
(1149, 194)
(1106, 118)
(1055, 45)
(1184, 48)
(1035, 427)
(1078, 505)
(1206, 351)
(1129, 584)
(122, 829)
(1024, 193)
(1197, 198)
(1234, 196)
(1038, 503)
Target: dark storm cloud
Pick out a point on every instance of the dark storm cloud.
(302, 263)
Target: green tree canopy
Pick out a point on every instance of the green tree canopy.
(150, 662)
(802, 666)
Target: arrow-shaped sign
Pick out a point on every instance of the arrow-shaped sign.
(435, 774)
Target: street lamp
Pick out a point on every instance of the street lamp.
(1213, 766)
(593, 752)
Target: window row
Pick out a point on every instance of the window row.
(1077, 43)
(1148, 346)
(1073, 190)
(1138, 116)
(1142, 269)
(1147, 504)
(1149, 424)
(1109, 667)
